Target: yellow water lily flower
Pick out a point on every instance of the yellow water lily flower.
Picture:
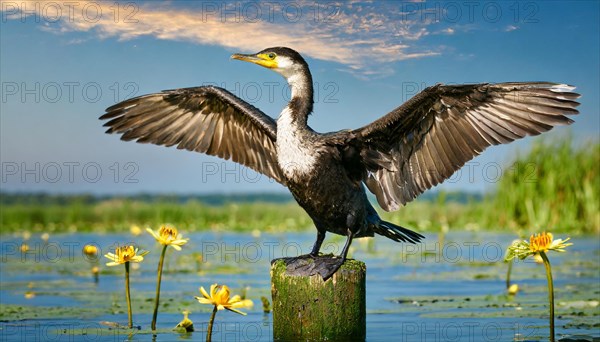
(545, 242)
(513, 289)
(537, 243)
(90, 250)
(167, 235)
(219, 297)
(125, 254)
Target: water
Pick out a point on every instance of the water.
(414, 293)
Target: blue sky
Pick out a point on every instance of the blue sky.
(63, 63)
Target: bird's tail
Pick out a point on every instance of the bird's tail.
(397, 233)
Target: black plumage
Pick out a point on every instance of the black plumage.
(206, 119)
(399, 156)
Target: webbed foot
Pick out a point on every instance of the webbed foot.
(328, 267)
(313, 263)
(308, 265)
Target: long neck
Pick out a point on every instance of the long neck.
(301, 104)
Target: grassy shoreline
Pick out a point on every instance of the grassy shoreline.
(555, 186)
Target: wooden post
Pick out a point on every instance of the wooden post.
(307, 308)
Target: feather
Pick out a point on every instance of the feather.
(437, 131)
(204, 119)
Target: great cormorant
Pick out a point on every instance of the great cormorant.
(397, 157)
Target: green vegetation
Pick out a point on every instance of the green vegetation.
(555, 186)
(118, 214)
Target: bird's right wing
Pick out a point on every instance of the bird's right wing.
(206, 119)
(423, 142)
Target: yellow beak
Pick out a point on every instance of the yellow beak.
(260, 59)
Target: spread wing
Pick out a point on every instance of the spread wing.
(427, 139)
(207, 119)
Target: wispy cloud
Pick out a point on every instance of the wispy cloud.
(447, 31)
(510, 28)
(355, 34)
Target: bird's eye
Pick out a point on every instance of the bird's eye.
(271, 55)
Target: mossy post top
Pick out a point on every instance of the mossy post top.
(307, 308)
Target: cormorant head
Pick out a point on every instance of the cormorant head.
(289, 64)
(283, 60)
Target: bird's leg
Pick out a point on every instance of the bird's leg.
(318, 243)
(330, 269)
(324, 265)
(347, 246)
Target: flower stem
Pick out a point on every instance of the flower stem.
(127, 295)
(510, 263)
(160, 268)
(95, 271)
(550, 293)
(210, 325)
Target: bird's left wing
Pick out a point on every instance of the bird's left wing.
(206, 119)
(424, 141)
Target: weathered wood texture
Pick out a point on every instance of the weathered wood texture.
(307, 308)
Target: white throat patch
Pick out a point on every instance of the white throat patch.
(292, 73)
(294, 156)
